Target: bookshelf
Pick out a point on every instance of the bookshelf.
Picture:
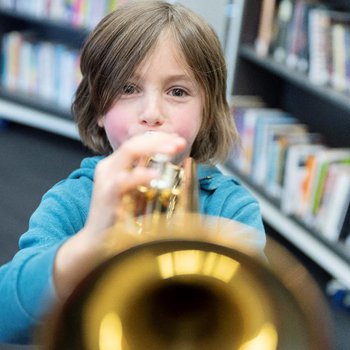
(322, 108)
(30, 109)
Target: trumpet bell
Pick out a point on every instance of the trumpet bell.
(182, 294)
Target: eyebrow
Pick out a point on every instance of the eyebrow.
(179, 77)
(170, 79)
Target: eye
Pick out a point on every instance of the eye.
(129, 89)
(178, 92)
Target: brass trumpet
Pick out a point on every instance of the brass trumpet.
(180, 280)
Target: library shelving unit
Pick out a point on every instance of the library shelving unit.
(323, 109)
(30, 109)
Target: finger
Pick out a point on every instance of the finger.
(136, 177)
(146, 145)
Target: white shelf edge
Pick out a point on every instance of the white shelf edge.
(41, 120)
(301, 238)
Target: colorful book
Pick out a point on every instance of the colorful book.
(332, 221)
(324, 161)
(284, 136)
(12, 43)
(263, 133)
(295, 173)
(316, 176)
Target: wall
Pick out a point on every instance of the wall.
(225, 18)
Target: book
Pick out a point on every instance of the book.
(249, 130)
(284, 136)
(239, 104)
(296, 35)
(282, 30)
(333, 218)
(295, 173)
(340, 23)
(66, 61)
(46, 67)
(317, 172)
(11, 44)
(265, 30)
(319, 46)
(298, 49)
(78, 13)
(267, 120)
(338, 75)
(325, 160)
(27, 75)
(40, 68)
(327, 46)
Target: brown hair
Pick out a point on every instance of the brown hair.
(122, 40)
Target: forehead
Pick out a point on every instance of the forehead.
(167, 56)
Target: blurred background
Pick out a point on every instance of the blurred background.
(40, 145)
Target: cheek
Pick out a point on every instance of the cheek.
(188, 131)
(116, 129)
(188, 126)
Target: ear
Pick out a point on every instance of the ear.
(100, 122)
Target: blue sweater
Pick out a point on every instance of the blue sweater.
(26, 285)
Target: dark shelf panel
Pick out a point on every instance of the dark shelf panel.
(294, 77)
(35, 102)
(51, 29)
(43, 21)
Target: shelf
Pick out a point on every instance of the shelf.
(42, 21)
(49, 29)
(35, 102)
(33, 117)
(331, 257)
(301, 80)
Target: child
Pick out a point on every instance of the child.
(154, 81)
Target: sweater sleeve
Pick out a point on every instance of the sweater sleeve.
(225, 197)
(26, 282)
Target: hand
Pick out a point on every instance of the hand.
(115, 175)
(122, 172)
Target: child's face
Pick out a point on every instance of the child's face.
(161, 96)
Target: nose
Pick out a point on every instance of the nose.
(152, 114)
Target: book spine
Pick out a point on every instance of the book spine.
(319, 46)
(284, 15)
(264, 37)
(338, 58)
(332, 227)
